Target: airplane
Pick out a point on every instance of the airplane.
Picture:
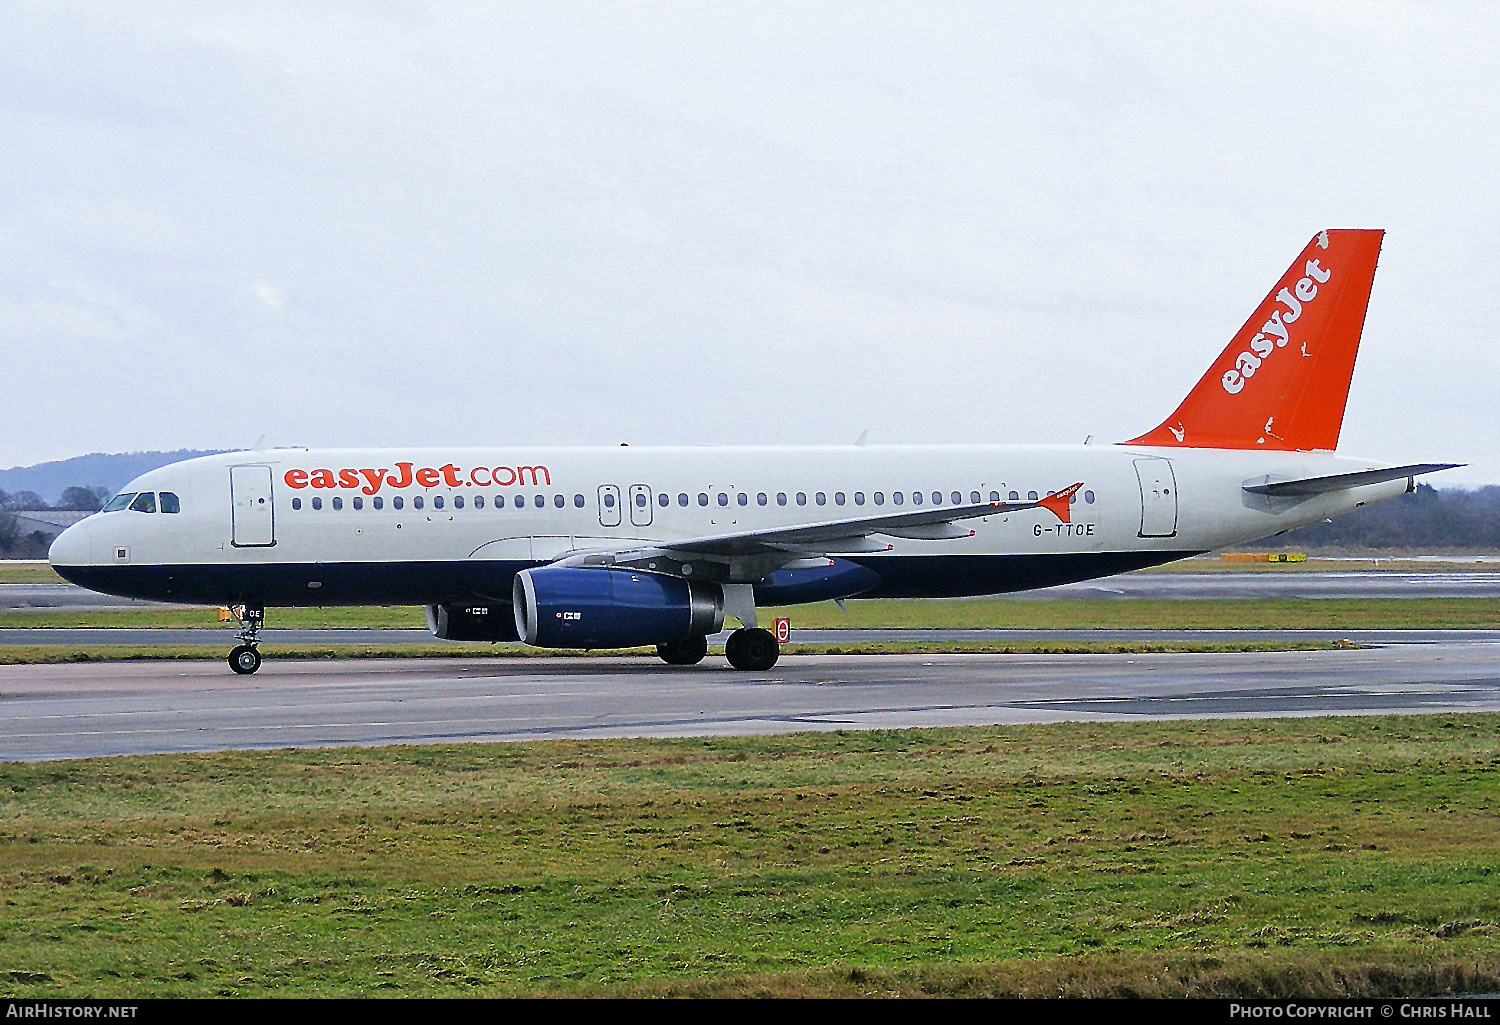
(601, 548)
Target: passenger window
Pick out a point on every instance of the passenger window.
(682, 500)
(499, 501)
(781, 498)
(1088, 496)
(458, 501)
(838, 498)
(578, 501)
(520, 501)
(859, 497)
(396, 503)
(744, 498)
(359, 503)
(609, 500)
(723, 498)
(801, 498)
(1031, 496)
(479, 501)
(296, 503)
(317, 503)
(761, 499)
(897, 497)
(540, 501)
(820, 498)
(144, 502)
(416, 502)
(378, 502)
(958, 498)
(702, 499)
(663, 500)
(169, 503)
(937, 498)
(916, 498)
(338, 502)
(1015, 496)
(559, 501)
(437, 501)
(994, 496)
(119, 502)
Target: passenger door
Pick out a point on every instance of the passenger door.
(252, 511)
(1158, 497)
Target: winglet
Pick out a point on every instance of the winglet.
(1059, 504)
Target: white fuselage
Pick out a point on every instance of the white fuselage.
(424, 526)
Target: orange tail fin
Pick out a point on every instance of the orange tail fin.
(1284, 379)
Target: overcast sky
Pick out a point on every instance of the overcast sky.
(383, 223)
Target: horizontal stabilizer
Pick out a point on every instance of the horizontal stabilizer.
(1340, 481)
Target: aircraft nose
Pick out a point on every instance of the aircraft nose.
(72, 547)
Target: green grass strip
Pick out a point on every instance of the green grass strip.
(909, 614)
(1300, 857)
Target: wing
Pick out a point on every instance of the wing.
(751, 554)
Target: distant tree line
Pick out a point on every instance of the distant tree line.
(18, 543)
(1451, 519)
(72, 500)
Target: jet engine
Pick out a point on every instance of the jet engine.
(600, 607)
(472, 622)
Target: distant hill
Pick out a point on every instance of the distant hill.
(97, 470)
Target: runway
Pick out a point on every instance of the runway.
(74, 711)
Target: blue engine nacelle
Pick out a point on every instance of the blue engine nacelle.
(472, 622)
(597, 607)
(837, 578)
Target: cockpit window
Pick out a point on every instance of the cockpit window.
(169, 503)
(144, 502)
(119, 502)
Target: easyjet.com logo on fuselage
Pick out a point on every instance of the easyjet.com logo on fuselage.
(406, 475)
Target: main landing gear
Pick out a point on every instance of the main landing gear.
(687, 652)
(245, 658)
(751, 650)
(754, 651)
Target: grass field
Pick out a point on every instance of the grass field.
(27, 573)
(1270, 858)
(1205, 614)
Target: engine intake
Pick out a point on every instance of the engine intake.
(600, 607)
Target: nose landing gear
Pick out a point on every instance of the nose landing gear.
(245, 658)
